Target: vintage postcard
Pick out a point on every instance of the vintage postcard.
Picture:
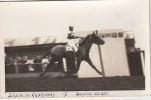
(74, 49)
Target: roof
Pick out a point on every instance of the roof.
(33, 41)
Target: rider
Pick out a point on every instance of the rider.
(72, 41)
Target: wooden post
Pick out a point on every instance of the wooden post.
(101, 60)
(64, 65)
(142, 62)
(16, 68)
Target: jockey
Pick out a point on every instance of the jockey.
(73, 41)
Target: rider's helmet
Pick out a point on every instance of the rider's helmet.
(71, 28)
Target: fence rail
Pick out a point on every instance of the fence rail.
(28, 68)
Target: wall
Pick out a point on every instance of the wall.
(114, 55)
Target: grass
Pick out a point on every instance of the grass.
(74, 84)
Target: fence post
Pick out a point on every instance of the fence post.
(16, 68)
(101, 60)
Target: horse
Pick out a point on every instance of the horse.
(59, 52)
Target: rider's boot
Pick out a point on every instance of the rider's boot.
(75, 55)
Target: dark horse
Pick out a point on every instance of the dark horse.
(58, 52)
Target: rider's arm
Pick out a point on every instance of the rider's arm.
(76, 37)
(69, 36)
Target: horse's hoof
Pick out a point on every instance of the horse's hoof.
(41, 74)
(67, 74)
(100, 73)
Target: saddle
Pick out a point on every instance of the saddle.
(70, 48)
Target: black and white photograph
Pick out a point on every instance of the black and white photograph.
(74, 49)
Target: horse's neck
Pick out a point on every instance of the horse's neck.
(88, 45)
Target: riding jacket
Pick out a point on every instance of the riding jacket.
(72, 36)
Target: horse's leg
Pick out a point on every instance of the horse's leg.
(91, 64)
(78, 66)
(60, 65)
(48, 66)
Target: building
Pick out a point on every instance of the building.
(24, 55)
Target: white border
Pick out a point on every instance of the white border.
(72, 94)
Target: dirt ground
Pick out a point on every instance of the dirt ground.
(26, 84)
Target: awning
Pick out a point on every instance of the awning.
(34, 41)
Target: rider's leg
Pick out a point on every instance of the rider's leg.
(74, 47)
(75, 52)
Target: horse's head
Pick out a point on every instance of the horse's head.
(96, 39)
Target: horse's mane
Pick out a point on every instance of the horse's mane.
(84, 40)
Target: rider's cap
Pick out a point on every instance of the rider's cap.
(71, 28)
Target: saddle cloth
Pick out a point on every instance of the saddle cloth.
(69, 48)
(72, 48)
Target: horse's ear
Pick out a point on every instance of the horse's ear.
(93, 32)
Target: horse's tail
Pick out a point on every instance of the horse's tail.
(47, 53)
